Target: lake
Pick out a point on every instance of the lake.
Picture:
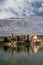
(10, 56)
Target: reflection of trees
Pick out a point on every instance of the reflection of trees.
(9, 49)
(5, 48)
(18, 49)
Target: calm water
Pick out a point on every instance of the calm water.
(20, 57)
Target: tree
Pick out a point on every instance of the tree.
(6, 39)
(18, 38)
(38, 43)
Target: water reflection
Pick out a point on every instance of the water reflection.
(11, 49)
(20, 56)
(18, 49)
(8, 49)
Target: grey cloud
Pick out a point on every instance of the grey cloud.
(2, 1)
(36, 4)
(37, 8)
(26, 9)
(13, 11)
(39, 14)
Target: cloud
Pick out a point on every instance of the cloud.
(2, 1)
(36, 4)
(21, 8)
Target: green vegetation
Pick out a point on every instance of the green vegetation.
(1, 41)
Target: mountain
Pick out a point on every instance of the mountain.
(21, 26)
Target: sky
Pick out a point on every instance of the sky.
(21, 8)
(28, 9)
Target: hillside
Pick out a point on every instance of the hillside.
(21, 26)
